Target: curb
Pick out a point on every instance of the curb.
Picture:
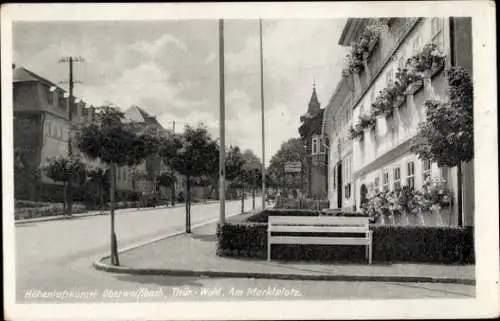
(93, 213)
(100, 265)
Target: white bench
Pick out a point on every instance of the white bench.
(322, 224)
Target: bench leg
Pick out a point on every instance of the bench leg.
(370, 247)
(269, 251)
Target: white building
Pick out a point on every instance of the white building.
(381, 158)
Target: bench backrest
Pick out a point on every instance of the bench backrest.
(319, 220)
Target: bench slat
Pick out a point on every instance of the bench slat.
(325, 229)
(319, 240)
(316, 220)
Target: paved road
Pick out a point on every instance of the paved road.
(54, 264)
(58, 254)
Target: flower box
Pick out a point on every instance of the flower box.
(399, 100)
(372, 44)
(414, 87)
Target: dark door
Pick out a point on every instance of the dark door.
(339, 185)
(363, 193)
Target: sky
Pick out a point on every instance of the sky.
(170, 68)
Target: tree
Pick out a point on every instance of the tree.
(193, 154)
(290, 151)
(447, 135)
(65, 169)
(114, 143)
(234, 171)
(252, 172)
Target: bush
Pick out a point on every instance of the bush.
(422, 244)
(390, 244)
(245, 239)
(53, 209)
(24, 204)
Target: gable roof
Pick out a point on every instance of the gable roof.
(21, 74)
(137, 114)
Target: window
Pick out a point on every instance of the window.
(397, 179)
(417, 45)
(389, 78)
(48, 131)
(401, 62)
(410, 177)
(334, 178)
(444, 173)
(62, 101)
(437, 32)
(385, 182)
(347, 169)
(314, 146)
(50, 95)
(321, 146)
(426, 170)
(376, 184)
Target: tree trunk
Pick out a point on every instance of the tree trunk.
(172, 196)
(65, 198)
(188, 205)
(243, 199)
(459, 194)
(253, 198)
(69, 197)
(114, 245)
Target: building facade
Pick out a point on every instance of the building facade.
(316, 162)
(41, 131)
(381, 158)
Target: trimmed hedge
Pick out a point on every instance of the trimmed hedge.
(242, 240)
(53, 209)
(390, 244)
(262, 217)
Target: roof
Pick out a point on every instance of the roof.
(137, 114)
(21, 74)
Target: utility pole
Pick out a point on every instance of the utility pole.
(173, 126)
(222, 128)
(70, 60)
(262, 111)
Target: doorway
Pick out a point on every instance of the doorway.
(339, 185)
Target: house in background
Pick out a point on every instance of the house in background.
(337, 119)
(41, 129)
(316, 184)
(382, 159)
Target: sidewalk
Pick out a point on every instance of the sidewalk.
(194, 255)
(104, 212)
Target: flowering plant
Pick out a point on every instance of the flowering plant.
(367, 121)
(368, 37)
(430, 57)
(437, 193)
(356, 132)
(383, 104)
(354, 61)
